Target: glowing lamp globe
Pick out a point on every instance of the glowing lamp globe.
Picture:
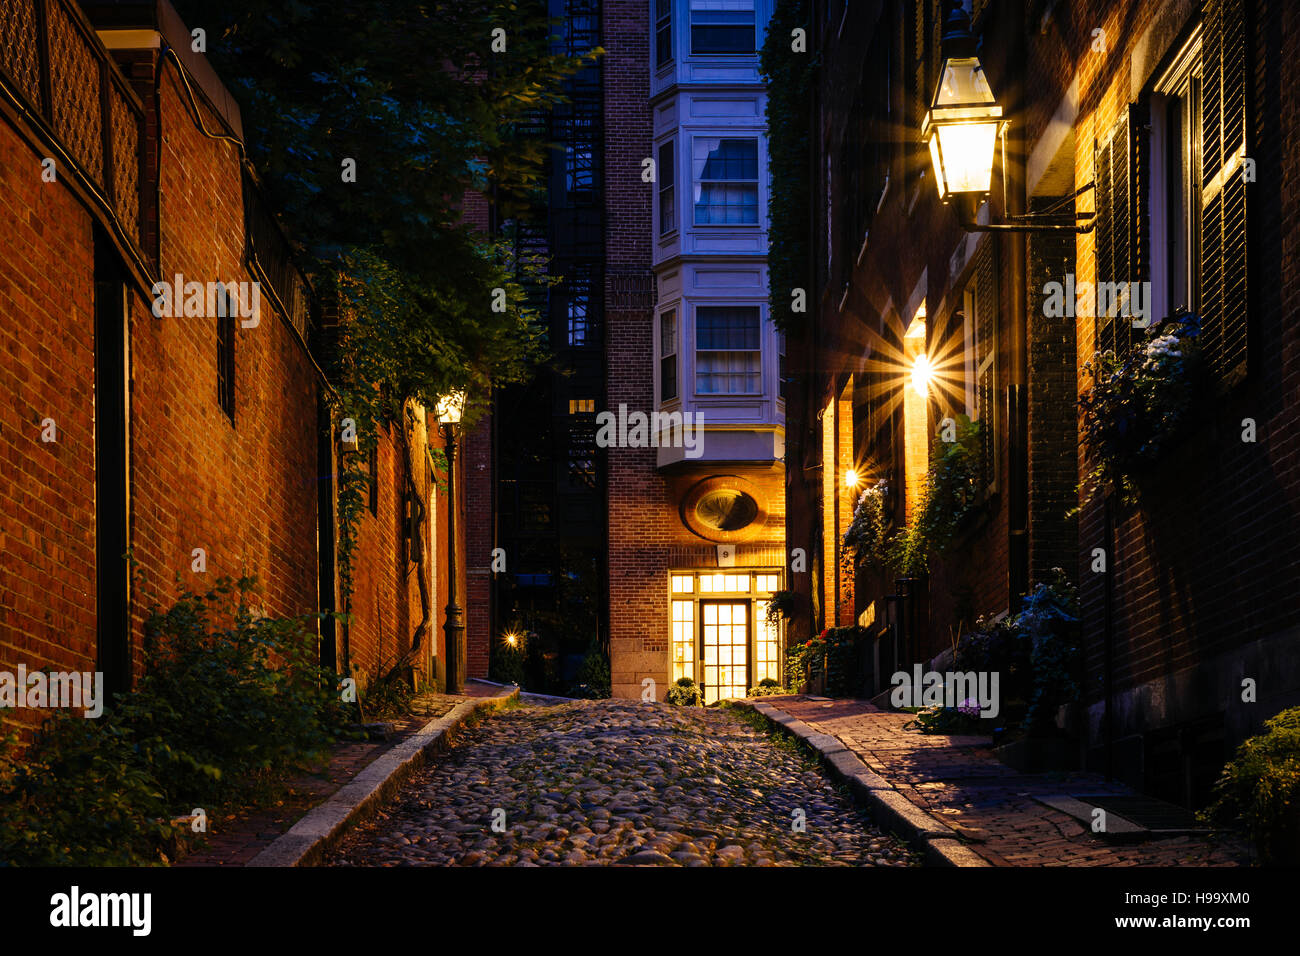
(961, 128)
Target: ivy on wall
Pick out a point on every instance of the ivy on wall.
(788, 68)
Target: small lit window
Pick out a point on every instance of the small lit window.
(683, 639)
(766, 583)
(683, 584)
(582, 406)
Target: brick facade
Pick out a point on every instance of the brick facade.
(245, 491)
(1201, 575)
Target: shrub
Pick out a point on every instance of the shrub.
(768, 687)
(962, 719)
(865, 539)
(229, 705)
(805, 661)
(592, 680)
(508, 661)
(219, 711)
(82, 796)
(1036, 653)
(1260, 788)
(685, 693)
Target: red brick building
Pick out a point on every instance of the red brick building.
(143, 454)
(696, 515)
(1168, 121)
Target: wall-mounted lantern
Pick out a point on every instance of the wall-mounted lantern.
(964, 127)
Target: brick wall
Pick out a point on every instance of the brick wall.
(47, 490)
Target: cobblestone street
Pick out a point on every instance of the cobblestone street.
(601, 782)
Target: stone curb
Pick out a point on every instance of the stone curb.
(888, 808)
(307, 841)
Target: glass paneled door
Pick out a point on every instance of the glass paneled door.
(725, 627)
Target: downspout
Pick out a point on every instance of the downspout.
(1017, 388)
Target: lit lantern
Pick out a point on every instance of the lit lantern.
(962, 125)
(450, 408)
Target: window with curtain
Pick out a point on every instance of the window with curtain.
(723, 27)
(726, 182)
(727, 350)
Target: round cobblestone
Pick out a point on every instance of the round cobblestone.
(619, 782)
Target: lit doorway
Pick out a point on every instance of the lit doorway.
(726, 649)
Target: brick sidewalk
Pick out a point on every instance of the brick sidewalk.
(961, 782)
(235, 839)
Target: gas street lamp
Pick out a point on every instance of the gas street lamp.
(962, 130)
(449, 411)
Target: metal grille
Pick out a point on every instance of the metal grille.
(125, 138)
(18, 56)
(75, 70)
(274, 256)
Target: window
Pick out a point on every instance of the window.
(579, 169)
(727, 350)
(780, 364)
(226, 359)
(724, 583)
(683, 583)
(668, 355)
(667, 194)
(722, 26)
(663, 31)
(1176, 185)
(578, 307)
(726, 182)
(767, 642)
(767, 583)
(683, 640)
(582, 446)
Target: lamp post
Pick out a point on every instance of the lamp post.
(962, 130)
(449, 410)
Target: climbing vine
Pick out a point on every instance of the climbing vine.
(789, 74)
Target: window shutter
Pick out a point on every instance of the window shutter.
(985, 323)
(1122, 229)
(1223, 196)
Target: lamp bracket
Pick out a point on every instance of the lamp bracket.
(1079, 223)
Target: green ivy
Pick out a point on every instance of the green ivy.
(789, 76)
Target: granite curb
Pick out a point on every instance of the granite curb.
(891, 810)
(307, 841)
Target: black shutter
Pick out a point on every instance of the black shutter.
(1119, 174)
(985, 324)
(1223, 193)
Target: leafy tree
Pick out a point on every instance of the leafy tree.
(374, 128)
